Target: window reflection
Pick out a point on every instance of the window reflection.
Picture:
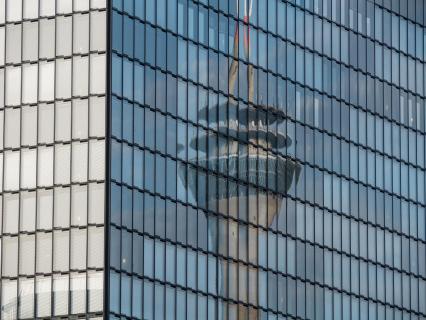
(254, 125)
(230, 156)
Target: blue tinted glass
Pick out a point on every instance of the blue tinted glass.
(149, 129)
(117, 80)
(128, 39)
(149, 171)
(161, 49)
(128, 6)
(171, 53)
(140, 9)
(116, 161)
(140, 43)
(128, 79)
(172, 15)
(138, 89)
(128, 121)
(161, 13)
(269, 153)
(116, 121)
(117, 31)
(150, 45)
(150, 10)
(138, 168)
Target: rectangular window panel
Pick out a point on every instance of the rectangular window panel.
(62, 163)
(80, 76)
(13, 86)
(12, 128)
(11, 169)
(78, 205)
(63, 78)
(46, 81)
(63, 35)
(47, 38)
(30, 41)
(61, 207)
(28, 168)
(79, 162)
(45, 166)
(29, 83)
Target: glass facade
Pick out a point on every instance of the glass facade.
(234, 159)
(267, 159)
(52, 158)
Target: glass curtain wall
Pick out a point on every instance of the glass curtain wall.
(52, 157)
(267, 159)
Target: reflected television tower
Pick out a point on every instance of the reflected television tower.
(253, 162)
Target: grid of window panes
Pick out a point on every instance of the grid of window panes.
(52, 157)
(349, 239)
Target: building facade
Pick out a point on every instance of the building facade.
(52, 159)
(213, 159)
(267, 160)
